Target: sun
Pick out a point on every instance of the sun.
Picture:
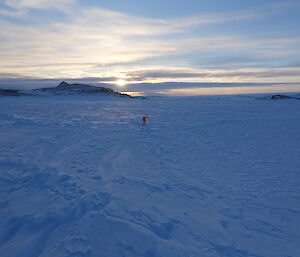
(121, 82)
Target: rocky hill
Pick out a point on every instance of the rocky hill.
(64, 88)
(7, 92)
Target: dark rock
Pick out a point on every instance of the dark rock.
(66, 88)
(277, 97)
(8, 92)
(63, 85)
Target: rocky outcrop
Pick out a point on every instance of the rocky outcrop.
(8, 92)
(277, 97)
(66, 88)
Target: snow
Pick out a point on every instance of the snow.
(208, 176)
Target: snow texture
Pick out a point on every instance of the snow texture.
(80, 176)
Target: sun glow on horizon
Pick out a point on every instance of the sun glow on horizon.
(121, 83)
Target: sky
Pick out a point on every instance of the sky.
(123, 42)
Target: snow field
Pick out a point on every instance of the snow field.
(208, 176)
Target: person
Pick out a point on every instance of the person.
(144, 120)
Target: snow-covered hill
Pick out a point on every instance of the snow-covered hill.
(64, 88)
(208, 176)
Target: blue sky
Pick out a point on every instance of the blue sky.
(133, 41)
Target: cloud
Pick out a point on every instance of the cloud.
(171, 89)
(37, 4)
(15, 81)
(237, 75)
(92, 41)
(232, 90)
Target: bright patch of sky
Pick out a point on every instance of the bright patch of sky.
(151, 41)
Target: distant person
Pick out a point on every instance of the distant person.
(144, 119)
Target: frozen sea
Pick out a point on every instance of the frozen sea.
(209, 176)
